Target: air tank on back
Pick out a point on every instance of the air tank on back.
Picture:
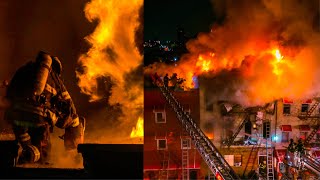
(42, 72)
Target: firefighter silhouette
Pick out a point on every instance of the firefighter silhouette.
(39, 101)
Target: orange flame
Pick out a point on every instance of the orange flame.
(114, 54)
(203, 63)
(138, 130)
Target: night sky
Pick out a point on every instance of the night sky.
(162, 17)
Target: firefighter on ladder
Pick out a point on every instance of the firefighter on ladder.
(38, 102)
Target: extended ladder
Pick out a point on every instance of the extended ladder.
(185, 155)
(270, 167)
(163, 174)
(215, 161)
(233, 137)
(312, 164)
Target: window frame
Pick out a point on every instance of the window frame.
(302, 107)
(158, 144)
(287, 135)
(189, 143)
(286, 106)
(303, 133)
(164, 116)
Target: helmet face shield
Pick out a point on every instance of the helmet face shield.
(56, 65)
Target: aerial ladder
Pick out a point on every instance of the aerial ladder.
(312, 164)
(210, 154)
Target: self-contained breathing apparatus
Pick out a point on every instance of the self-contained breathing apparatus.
(38, 89)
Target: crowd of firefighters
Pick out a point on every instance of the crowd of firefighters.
(172, 82)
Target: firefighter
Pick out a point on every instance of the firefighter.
(292, 146)
(300, 147)
(166, 80)
(39, 101)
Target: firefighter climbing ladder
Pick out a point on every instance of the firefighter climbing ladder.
(210, 154)
(165, 165)
(185, 155)
(233, 137)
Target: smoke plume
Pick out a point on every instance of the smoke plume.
(263, 50)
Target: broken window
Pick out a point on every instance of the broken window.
(161, 144)
(186, 143)
(286, 109)
(304, 108)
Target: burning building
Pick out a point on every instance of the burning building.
(168, 150)
(256, 139)
(261, 55)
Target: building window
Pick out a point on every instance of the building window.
(161, 144)
(233, 160)
(160, 117)
(266, 129)
(229, 159)
(303, 135)
(286, 109)
(186, 143)
(237, 160)
(318, 136)
(304, 108)
(285, 137)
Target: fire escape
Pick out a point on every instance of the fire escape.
(252, 158)
(215, 161)
(314, 121)
(233, 137)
